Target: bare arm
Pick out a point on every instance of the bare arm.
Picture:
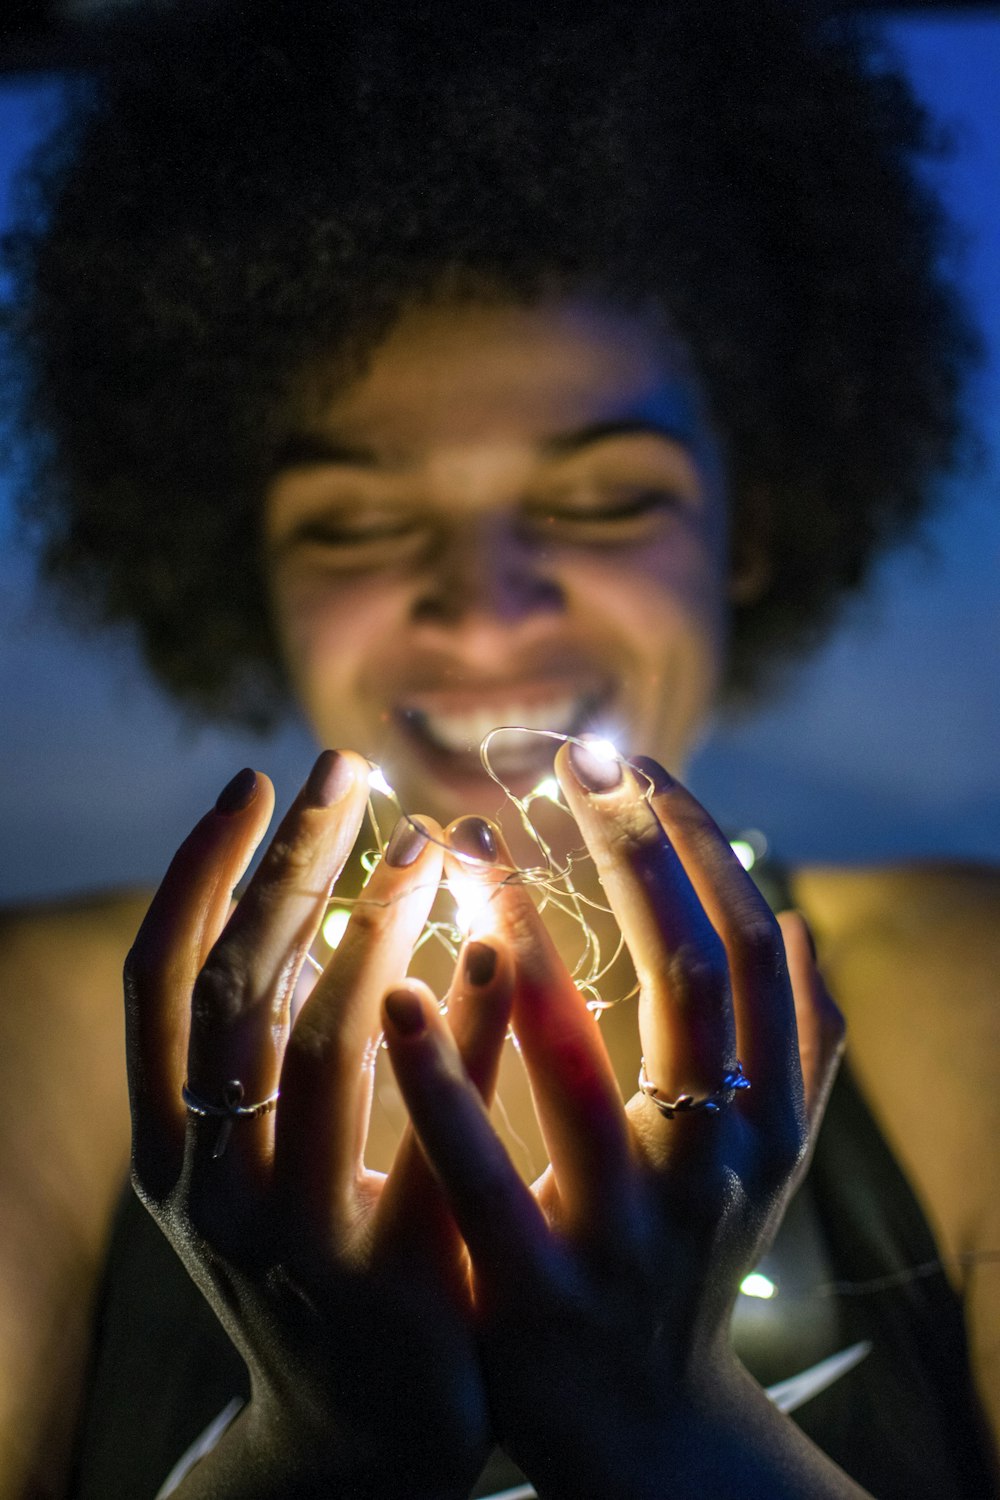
(62, 1163)
(913, 956)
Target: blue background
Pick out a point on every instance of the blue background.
(885, 746)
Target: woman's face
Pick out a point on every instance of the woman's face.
(515, 516)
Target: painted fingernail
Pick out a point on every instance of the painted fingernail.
(480, 963)
(329, 779)
(238, 793)
(405, 844)
(405, 1012)
(474, 836)
(595, 770)
(661, 780)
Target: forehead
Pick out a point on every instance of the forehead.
(454, 373)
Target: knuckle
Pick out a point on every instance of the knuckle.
(220, 995)
(368, 920)
(760, 941)
(290, 855)
(314, 1041)
(697, 970)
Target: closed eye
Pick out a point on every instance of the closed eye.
(352, 542)
(617, 515)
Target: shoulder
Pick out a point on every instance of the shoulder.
(61, 1028)
(912, 956)
(911, 953)
(960, 897)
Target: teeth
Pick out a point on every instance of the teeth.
(463, 732)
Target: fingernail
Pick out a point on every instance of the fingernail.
(595, 773)
(474, 836)
(329, 779)
(661, 780)
(406, 842)
(405, 1012)
(480, 963)
(238, 793)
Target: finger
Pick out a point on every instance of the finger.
(762, 994)
(240, 1006)
(685, 1011)
(573, 1085)
(329, 1065)
(413, 1216)
(820, 1023)
(496, 1213)
(184, 919)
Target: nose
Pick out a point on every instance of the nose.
(487, 570)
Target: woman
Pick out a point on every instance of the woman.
(520, 369)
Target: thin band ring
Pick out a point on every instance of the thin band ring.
(687, 1104)
(231, 1109)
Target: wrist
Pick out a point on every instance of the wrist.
(261, 1457)
(718, 1435)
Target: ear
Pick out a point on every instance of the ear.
(750, 569)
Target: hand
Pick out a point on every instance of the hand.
(345, 1293)
(604, 1295)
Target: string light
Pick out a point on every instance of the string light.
(335, 925)
(378, 783)
(472, 905)
(551, 880)
(758, 1285)
(744, 853)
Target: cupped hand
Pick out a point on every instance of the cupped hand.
(346, 1293)
(603, 1295)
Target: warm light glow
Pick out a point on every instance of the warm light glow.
(335, 925)
(549, 788)
(602, 750)
(472, 904)
(378, 783)
(744, 853)
(756, 1285)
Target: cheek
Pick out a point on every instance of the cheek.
(663, 615)
(327, 627)
(658, 599)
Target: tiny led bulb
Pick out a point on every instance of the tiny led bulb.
(549, 788)
(378, 783)
(602, 750)
(744, 853)
(756, 1285)
(472, 902)
(335, 925)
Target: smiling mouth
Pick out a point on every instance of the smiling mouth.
(447, 732)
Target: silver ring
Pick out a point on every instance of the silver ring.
(232, 1108)
(687, 1104)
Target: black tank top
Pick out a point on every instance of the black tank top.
(854, 1264)
(854, 1271)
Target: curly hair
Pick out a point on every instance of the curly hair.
(226, 219)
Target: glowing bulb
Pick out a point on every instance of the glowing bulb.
(756, 1285)
(335, 925)
(602, 750)
(548, 788)
(378, 783)
(472, 901)
(745, 854)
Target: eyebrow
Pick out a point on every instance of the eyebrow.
(568, 443)
(303, 450)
